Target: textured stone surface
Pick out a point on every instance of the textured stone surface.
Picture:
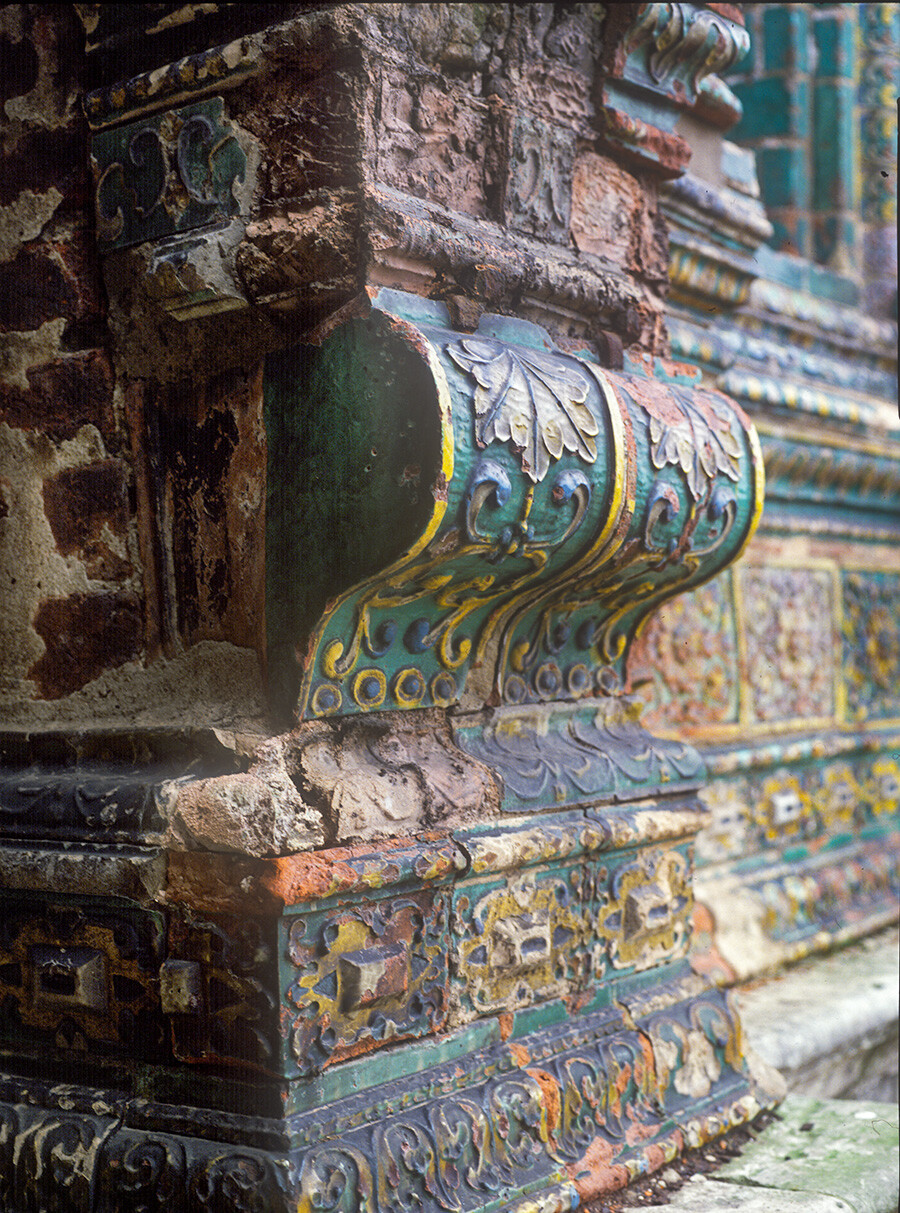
(347, 886)
(705, 1195)
(845, 1149)
(830, 1024)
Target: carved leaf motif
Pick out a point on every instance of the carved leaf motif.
(529, 400)
(702, 444)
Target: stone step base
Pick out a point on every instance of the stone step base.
(829, 1024)
(817, 1155)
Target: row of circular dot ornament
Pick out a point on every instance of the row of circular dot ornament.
(549, 681)
(369, 689)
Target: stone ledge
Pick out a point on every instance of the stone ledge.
(818, 1155)
(830, 1023)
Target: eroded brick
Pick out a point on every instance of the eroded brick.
(33, 289)
(45, 158)
(80, 503)
(64, 395)
(84, 635)
(18, 68)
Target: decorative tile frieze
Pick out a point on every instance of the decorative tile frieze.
(512, 1121)
(77, 975)
(667, 52)
(641, 913)
(86, 802)
(576, 754)
(685, 659)
(216, 988)
(878, 84)
(520, 940)
(363, 976)
(788, 910)
(159, 1171)
(204, 72)
(676, 46)
(545, 930)
(167, 174)
(813, 800)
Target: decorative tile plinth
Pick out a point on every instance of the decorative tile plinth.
(567, 1110)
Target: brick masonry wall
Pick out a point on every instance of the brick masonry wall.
(77, 625)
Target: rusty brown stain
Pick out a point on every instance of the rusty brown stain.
(732, 12)
(209, 493)
(705, 957)
(552, 1097)
(578, 1000)
(216, 883)
(306, 877)
(357, 308)
(63, 395)
(597, 1171)
(655, 399)
(156, 633)
(671, 152)
(520, 1054)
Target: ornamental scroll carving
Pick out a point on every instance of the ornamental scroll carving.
(539, 508)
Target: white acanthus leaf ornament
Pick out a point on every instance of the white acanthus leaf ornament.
(702, 444)
(530, 400)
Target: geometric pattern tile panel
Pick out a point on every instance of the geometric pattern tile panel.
(788, 627)
(871, 615)
(361, 976)
(685, 660)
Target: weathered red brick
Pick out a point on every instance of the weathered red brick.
(18, 68)
(212, 456)
(33, 289)
(81, 263)
(84, 635)
(78, 503)
(64, 394)
(45, 158)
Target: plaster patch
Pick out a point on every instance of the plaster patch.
(213, 683)
(25, 219)
(20, 351)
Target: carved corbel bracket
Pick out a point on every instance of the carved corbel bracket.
(662, 61)
(480, 519)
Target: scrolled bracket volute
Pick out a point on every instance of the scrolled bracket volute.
(481, 519)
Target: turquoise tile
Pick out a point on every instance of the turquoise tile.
(801, 109)
(835, 147)
(791, 233)
(825, 238)
(767, 109)
(782, 175)
(785, 37)
(835, 42)
(826, 149)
